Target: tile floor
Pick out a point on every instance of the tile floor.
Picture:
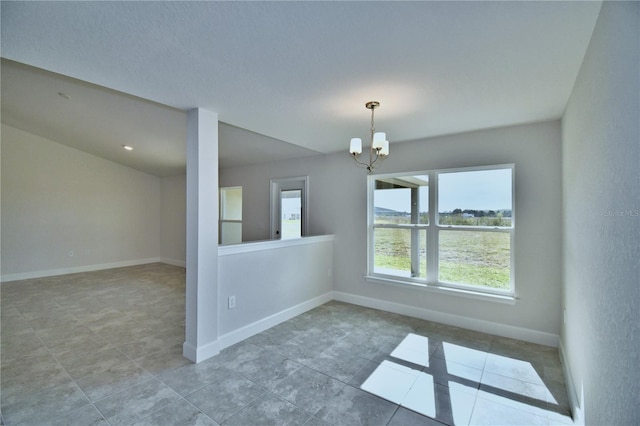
(104, 348)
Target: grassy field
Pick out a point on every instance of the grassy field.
(291, 229)
(468, 257)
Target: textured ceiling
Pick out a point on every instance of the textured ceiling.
(99, 121)
(301, 72)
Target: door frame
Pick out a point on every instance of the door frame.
(275, 217)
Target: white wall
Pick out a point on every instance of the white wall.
(173, 220)
(338, 195)
(58, 200)
(601, 185)
(271, 281)
(255, 182)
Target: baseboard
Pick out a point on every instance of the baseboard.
(202, 353)
(577, 411)
(76, 269)
(249, 330)
(475, 324)
(174, 262)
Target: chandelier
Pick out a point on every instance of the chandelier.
(379, 143)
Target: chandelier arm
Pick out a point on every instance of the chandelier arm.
(368, 166)
(375, 159)
(355, 158)
(373, 129)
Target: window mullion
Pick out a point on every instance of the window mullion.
(432, 232)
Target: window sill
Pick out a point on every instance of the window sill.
(436, 288)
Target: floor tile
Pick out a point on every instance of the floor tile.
(363, 374)
(273, 337)
(391, 381)
(512, 389)
(351, 406)
(461, 354)
(144, 346)
(337, 363)
(180, 413)
(308, 389)
(451, 404)
(80, 364)
(29, 385)
(225, 397)
(19, 345)
(269, 410)
(405, 417)
(238, 354)
(413, 348)
(315, 421)
(268, 369)
(192, 377)
(492, 413)
(445, 371)
(520, 368)
(38, 364)
(102, 383)
(47, 403)
(136, 402)
(85, 416)
(167, 359)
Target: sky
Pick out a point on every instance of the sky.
(474, 190)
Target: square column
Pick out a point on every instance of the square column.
(201, 325)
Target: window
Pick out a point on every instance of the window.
(450, 228)
(230, 215)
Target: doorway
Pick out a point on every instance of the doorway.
(289, 208)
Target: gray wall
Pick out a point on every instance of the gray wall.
(58, 201)
(173, 219)
(338, 199)
(601, 185)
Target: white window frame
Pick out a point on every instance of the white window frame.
(221, 216)
(433, 229)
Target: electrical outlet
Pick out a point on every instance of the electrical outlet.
(232, 302)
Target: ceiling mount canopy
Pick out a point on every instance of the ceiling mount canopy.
(379, 143)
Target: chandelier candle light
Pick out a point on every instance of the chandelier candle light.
(379, 143)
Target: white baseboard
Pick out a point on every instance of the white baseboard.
(489, 327)
(174, 262)
(76, 269)
(249, 330)
(575, 401)
(201, 353)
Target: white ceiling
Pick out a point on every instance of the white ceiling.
(298, 72)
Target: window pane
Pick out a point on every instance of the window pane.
(475, 198)
(392, 200)
(231, 203)
(291, 209)
(231, 233)
(392, 252)
(476, 258)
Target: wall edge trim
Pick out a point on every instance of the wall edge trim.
(504, 330)
(574, 402)
(77, 269)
